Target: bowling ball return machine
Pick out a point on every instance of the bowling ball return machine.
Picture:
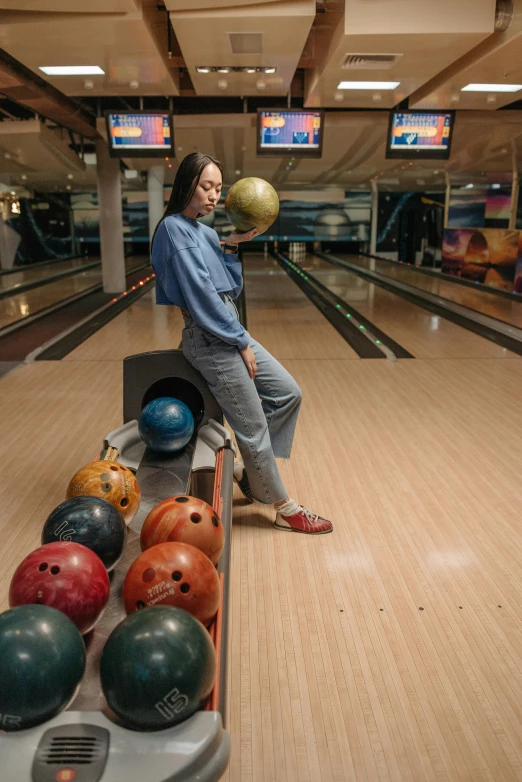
(86, 743)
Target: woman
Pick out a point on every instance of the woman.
(193, 273)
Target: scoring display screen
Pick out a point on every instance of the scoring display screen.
(295, 131)
(140, 134)
(420, 134)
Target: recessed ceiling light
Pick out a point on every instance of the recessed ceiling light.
(468, 187)
(368, 85)
(24, 177)
(203, 69)
(222, 84)
(492, 88)
(496, 186)
(72, 70)
(70, 176)
(250, 70)
(260, 84)
(269, 70)
(223, 70)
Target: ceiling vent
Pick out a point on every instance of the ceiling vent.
(246, 43)
(370, 61)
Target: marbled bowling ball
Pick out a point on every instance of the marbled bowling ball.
(184, 519)
(166, 425)
(66, 576)
(252, 203)
(91, 521)
(173, 574)
(157, 668)
(43, 662)
(112, 482)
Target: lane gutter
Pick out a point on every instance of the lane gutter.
(364, 337)
(447, 277)
(503, 334)
(22, 287)
(28, 319)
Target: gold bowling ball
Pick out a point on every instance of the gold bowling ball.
(252, 203)
(112, 482)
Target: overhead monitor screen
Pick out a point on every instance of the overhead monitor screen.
(290, 131)
(140, 134)
(420, 134)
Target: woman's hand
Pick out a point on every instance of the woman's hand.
(238, 238)
(249, 357)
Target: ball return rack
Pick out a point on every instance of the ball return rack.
(87, 743)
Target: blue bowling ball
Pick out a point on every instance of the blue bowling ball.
(166, 425)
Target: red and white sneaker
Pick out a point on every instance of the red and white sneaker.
(304, 521)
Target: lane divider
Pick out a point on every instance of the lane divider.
(388, 347)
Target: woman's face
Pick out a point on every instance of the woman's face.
(208, 190)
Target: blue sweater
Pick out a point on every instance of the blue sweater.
(191, 271)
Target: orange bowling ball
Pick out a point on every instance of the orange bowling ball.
(186, 520)
(173, 574)
(112, 482)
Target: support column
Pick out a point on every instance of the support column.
(514, 189)
(111, 219)
(375, 218)
(447, 200)
(155, 185)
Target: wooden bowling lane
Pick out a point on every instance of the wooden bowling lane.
(391, 649)
(35, 273)
(23, 304)
(54, 418)
(504, 309)
(423, 333)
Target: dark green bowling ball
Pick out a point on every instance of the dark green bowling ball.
(157, 667)
(252, 203)
(42, 656)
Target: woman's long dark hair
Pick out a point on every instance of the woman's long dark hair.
(185, 183)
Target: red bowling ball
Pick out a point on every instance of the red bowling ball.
(66, 576)
(174, 574)
(184, 519)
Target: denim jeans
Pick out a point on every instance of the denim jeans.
(262, 412)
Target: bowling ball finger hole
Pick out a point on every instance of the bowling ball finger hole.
(185, 588)
(55, 570)
(177, 576)
(195, 517)
(140, 604)
(115, 469)
(182, 499)
(124, 502)
(148, 574)
(215, 521)
(106, 487)
(43, 566)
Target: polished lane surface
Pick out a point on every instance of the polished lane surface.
(36, 273)
(22, 305)
(494, 306)
(422, 333)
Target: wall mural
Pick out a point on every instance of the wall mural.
(491, 256)
(313, 219)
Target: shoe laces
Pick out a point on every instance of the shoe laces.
(312, 518)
